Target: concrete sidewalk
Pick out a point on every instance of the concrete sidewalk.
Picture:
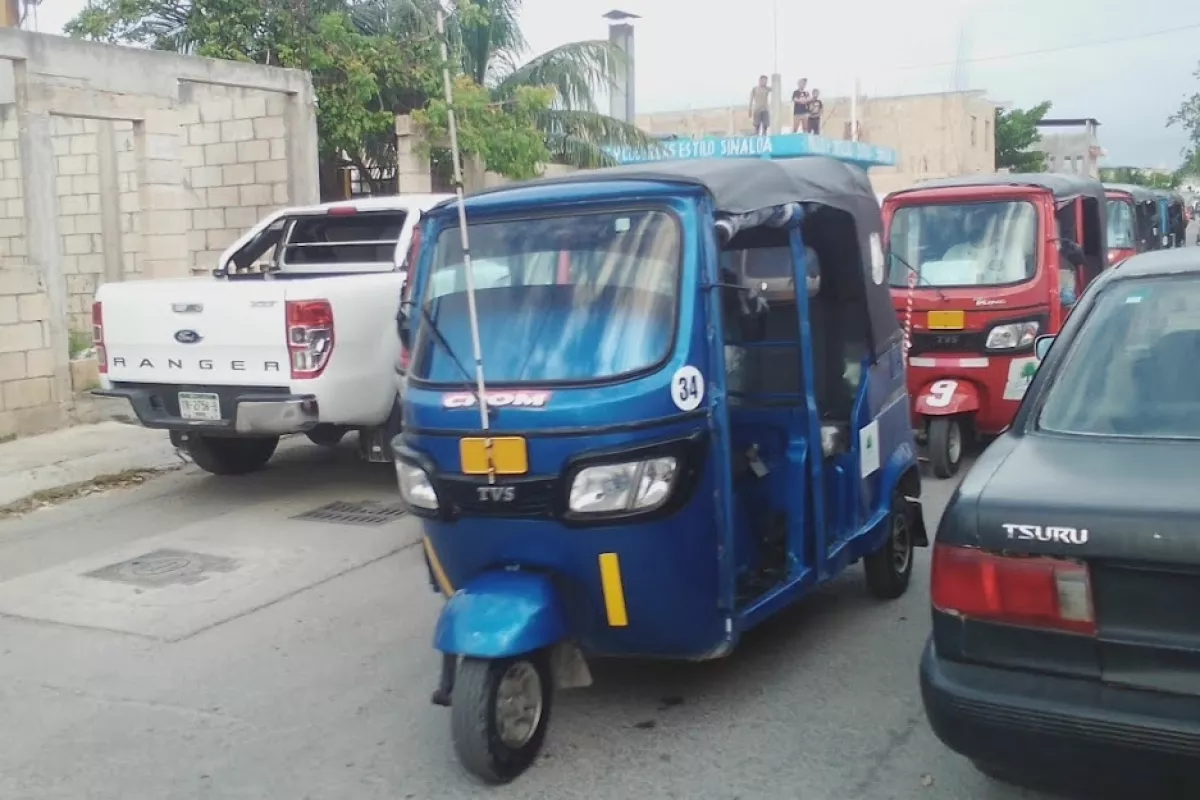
(82, 453)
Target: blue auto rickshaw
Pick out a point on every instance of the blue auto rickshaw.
(670, 442)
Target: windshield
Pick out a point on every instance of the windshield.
(1131, 370)
(965, 244)
(1120, 225)
(577, 297)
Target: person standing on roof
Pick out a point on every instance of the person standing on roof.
(760, 106)
(800, 99)
(815, 109)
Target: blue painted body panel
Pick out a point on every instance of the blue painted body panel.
(679, 572)
(501, 614)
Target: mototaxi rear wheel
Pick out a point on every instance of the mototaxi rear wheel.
(499, 713)
(947, 438)
(889, 569)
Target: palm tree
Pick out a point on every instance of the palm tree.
(489, 47)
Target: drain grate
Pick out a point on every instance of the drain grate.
(164, 567)
(361, 513)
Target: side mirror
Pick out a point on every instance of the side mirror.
(1073, 253)
(1041, 346)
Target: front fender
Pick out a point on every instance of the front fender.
(499, 615)
(945, 397)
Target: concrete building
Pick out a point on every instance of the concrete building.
(1071, 146)
(121, 163)
(934, 135)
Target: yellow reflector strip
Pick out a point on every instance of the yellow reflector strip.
(438, 572)
(508, 456)
(614, 592)
(946, 320)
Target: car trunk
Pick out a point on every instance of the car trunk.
(1127, 510)
(199, 331)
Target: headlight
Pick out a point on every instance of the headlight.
(1012, 336)
(415, 488)
(634, 486)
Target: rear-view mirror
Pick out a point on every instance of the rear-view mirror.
(1041, 346)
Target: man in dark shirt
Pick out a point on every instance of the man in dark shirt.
(815, 108)
(800, 100)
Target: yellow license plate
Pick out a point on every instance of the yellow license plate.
(946, 320)
(509, 456)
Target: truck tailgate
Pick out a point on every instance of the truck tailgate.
(196, 331)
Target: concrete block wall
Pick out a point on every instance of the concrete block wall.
(119, 164)
(236, 161)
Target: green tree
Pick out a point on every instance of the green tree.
(1140, 177)
(1016, 133)
(488, 46)
(505, 135)
(1188, 118)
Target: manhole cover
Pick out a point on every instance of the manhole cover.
(362, 513)
(164, 567)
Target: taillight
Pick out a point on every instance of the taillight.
(309, 336)
(1030, 591)
(98, 338)
(414, 250)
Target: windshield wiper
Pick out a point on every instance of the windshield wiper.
(468, 379)
(941, 295)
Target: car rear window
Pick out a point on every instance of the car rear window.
(1131, 371)
(363, 238)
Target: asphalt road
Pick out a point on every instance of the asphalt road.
(301, 668)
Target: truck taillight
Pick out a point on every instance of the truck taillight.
(414, 250)
(309, 336)
(98, 338)
(1029, 591)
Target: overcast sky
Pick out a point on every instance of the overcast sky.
(1132, 69)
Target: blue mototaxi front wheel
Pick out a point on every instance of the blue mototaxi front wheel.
(499, 714)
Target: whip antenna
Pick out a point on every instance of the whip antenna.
(476, 349)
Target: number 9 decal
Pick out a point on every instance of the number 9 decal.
(940, 394)
(687, 388)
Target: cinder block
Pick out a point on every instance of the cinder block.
(208, 218)
(22, 336)
(241, 218)
(216, 110)
(256, 194)
(254, 150)
(34, 307)
(8, 310)
(239, 174)
(269, 128)
(40, 363)
(223, 196)
(26, 393)
(271, 172)
(12, 367)
(216, 155)
(240, 130)
(249, 107)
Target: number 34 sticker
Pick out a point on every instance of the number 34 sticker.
(687, 388)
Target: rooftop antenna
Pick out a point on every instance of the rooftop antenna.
(476, 349)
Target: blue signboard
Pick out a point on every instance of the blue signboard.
(792, 145)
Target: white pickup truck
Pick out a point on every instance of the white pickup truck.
(294, 332)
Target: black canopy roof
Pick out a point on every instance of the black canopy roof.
(1140, 194)
(743, 185)
(1063, 187)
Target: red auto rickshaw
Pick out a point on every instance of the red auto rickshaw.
(1132, 214)
(980, 266)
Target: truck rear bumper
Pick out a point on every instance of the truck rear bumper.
(248, 411)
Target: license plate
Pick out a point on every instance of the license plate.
(200, 406)
(946, 320)
(509, 456)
